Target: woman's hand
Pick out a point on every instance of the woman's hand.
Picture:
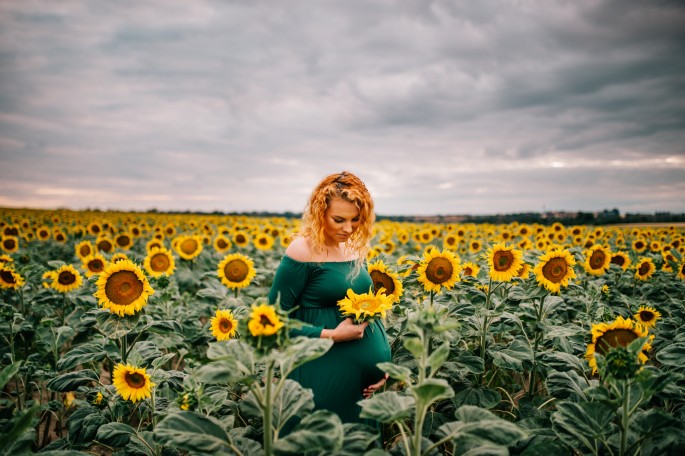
(347, 330)
(369, 390)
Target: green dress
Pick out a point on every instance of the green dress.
(339, 376)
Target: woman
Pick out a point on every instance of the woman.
(321, 263)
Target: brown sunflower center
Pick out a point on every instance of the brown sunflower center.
(66, 278)
(105, 245)
(189, 246)
(468, 271)
(123, 240)
(159, 262)
(639, 245)
(555, 270)
(263, 241)
(614, 338)
(7, 276)
(597, 259)
(644, 269)
(123, 287)
(9, 244)
(96, 265)
(221, 243)
(264, 320)
(618, 259)
(503, 260)
(85, 250)
(236, 270)
(240, 239)
(646, 316)
(225, 325)
(382, 280)
(135, 380)
(439, 270)
(450, 241)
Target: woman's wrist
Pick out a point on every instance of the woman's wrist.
(327, 334)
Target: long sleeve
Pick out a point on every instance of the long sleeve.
(289, 282)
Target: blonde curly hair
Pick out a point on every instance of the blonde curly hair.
(349, 187)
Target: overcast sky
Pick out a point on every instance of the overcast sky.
(441, 107)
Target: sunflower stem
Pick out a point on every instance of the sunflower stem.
(124, 350)
(235, 293)
(268, 405)
(625, 416)
(64, 307)
(538, 337)
(154, 417)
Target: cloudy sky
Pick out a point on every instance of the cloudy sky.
(441, 107)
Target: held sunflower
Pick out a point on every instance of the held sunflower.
(365, 306)
(159, 261)
(264, 321)
(555, 269)
(132, 383)
(123, 288)
(438, 270)
(236, 271)
(382, 277)
(597, 260)
(621, 332)
(223, 325)
(505, 262)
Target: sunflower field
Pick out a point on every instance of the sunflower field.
(151, 334)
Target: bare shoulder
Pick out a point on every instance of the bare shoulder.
(299, 249)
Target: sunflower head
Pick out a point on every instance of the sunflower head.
(645, 268)
(66, 279)
(470, 269)
(223, 325)
(132, 383)
(554, 270)
(384, 278)
(9, 244)
(93, 264)
(619, 333)
(265, 327)
(159, 261)
(9, 279)
(438, 270)
(236, 271)
(597, 260)
(620, 259)
(504, 261)
(647, 316)
(123, 288)
(365, 306)
(188, 247)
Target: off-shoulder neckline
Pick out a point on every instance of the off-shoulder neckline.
(317, 262)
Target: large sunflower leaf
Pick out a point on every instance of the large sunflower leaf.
(114, 326)
(72, 380)
(584, 425)
(300, 351)
(322, 430)
(85, 353)
(517, 357)
(197, 434)
(387, 407)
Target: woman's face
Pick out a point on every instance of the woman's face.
(341, 219)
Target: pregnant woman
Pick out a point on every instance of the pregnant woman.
(323, 261)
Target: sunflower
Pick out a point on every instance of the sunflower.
(365, 306)
(475, 246)
(10, 279)
(123, 241)
(438, 270)
(94, 228)
(93, 264)
(470, 269)
(388, 246)
(83, 249)
(681, 271)
(159, 261)
(382, 277)
(639, 245)
(224, 326)
(524, 272)
(647, 316)
(263, 241)
(64, 279)
(597, 260)
(132, 383)
(241, 239)
(154, 242)
(9, 244)
(222, 244)
(188, 247)
(5, 259)
(285, 240)
(104, 244)
(645, 268)
(236, 271)
(555, 269)
(505, 262)
(621, 332)
(264, 321)
(621, 259)
(123, 288)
